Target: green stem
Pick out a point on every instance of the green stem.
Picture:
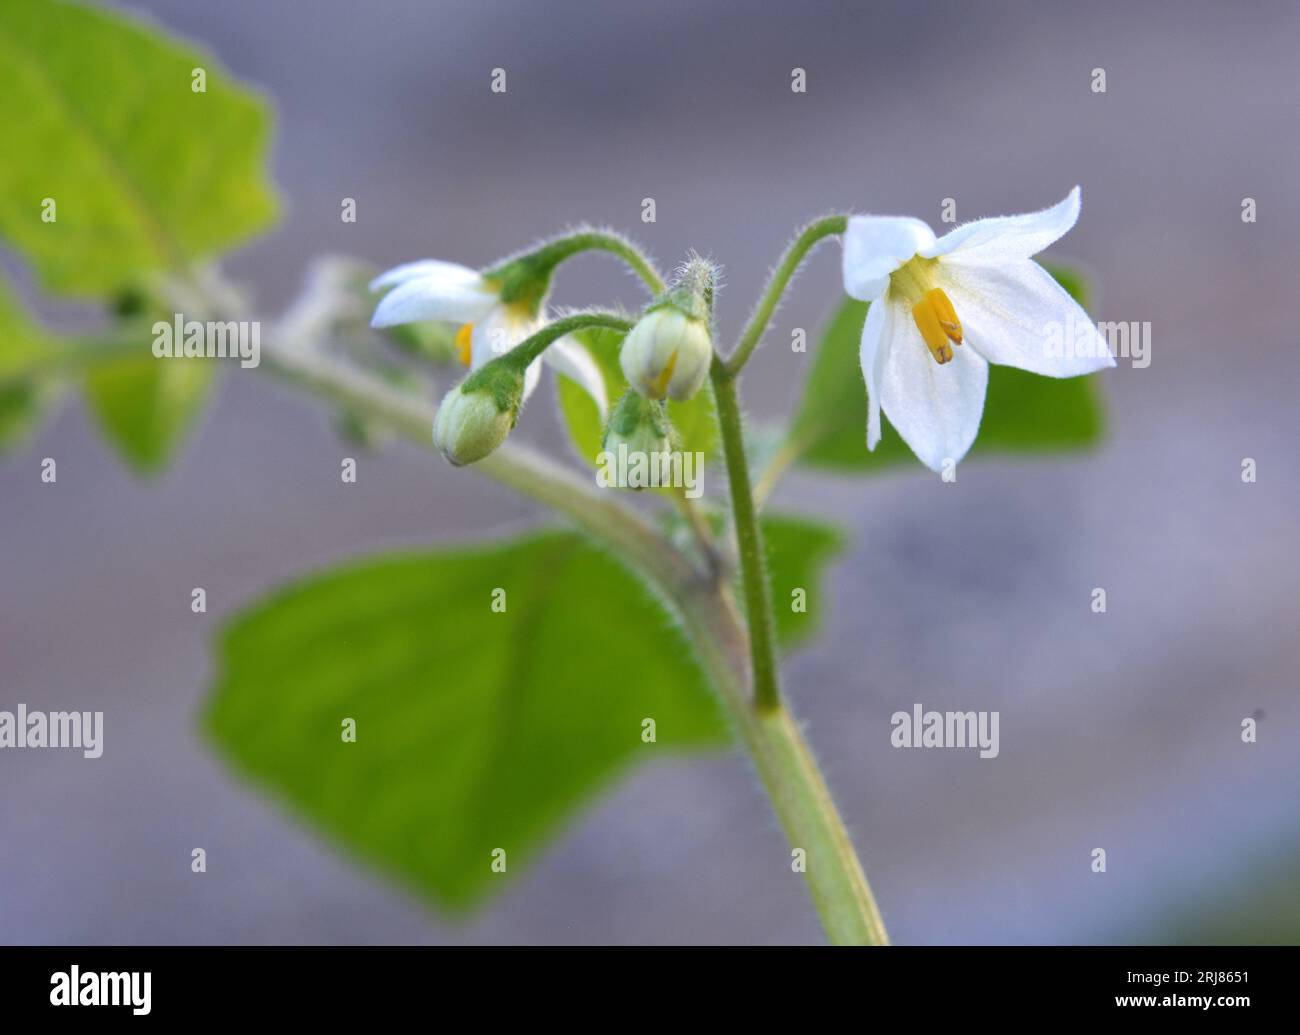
(551, 254)
(790, 775)
(803, 243)
(529, 349)
(749, 543)
(789, 772)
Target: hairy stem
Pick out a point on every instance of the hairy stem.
(561, 248)
(794, 784)
(749, 543)
(803, 243)
(529, 349)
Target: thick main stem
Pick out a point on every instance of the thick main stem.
(799, 795)
(749, 541)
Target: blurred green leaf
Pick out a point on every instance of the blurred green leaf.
(798, 551)
(476, 730)
(145, 405)
(1022, 413)
(696, 420)
(1255, 903)
(145, 173)
(23, 348)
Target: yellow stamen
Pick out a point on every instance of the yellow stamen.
(661, 385)
(464, 338)
(937, 321)
(947, 315)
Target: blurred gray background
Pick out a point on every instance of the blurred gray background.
(1118, 731)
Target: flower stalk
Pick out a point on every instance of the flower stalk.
(805, 241)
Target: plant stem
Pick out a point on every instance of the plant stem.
(789, 772)
(803, 243)
(529, 349)
(749, 543)
(561, 248)
(794, 784)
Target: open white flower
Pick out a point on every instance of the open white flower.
(943, 309)
(489, 327)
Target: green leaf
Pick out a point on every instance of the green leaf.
(696, 420)
(145, 173)
(798, 551)
(1022, 413)
(23, 348)
(475, 730)
(145, 405)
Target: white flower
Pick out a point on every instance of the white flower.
(944, 309)
(448, 292)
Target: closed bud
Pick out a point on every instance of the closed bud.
(637, 427)
(667, 353)
(478, 414)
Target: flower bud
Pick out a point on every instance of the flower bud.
(637, 436)
(667, 353)
(478, 414)
(641, 425)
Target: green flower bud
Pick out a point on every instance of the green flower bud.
(640, 424)
(637, 429)
(667, 353)
(478, 414)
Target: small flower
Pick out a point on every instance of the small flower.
(944, 309)
(667, 353)
(476, 416)
(489, 326)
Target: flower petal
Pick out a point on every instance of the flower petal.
(499, 331)
(935, 408)
(531, 376)
(875, 246)
(1017, 315)
(434, 298)
(1007, 238)
(877, 332)
(447, 272)
(571, 358)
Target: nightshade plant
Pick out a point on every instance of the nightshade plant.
(125, 185)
